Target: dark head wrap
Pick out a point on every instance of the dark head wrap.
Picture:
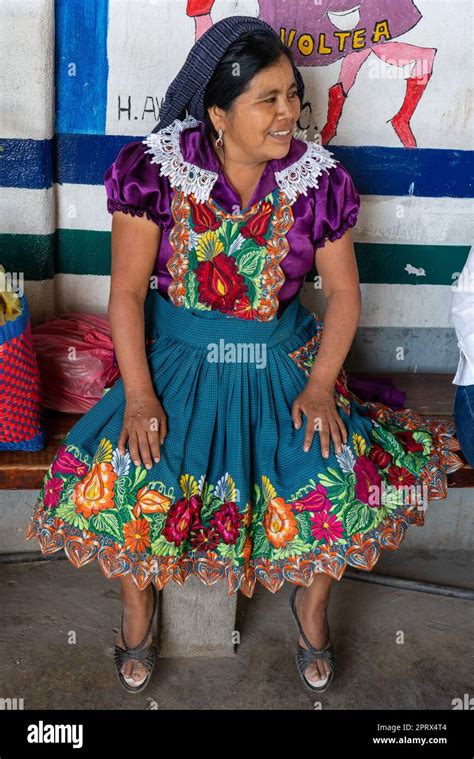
(186, 91)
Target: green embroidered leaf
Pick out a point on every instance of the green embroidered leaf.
(161, 547)
(239, 546)
(254, 291)
(157, 525)
(226, 551)
(414, 462)
(125, 513)
(425, 438)
(107, 523)
(67, 512)
(258, 504)
(392, 497)
(209, 508)
(191, 296)
(304, 526)
(339, 486)
(192, 259)
(140, 474)
(122, 494)
(295, 547)
(358, 518)
(228, 232)
(391, 444)
(250, 263)
(261, 544)
(206, 493)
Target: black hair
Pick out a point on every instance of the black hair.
(252, 54)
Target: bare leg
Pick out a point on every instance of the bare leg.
(137, 609)
(311, 607)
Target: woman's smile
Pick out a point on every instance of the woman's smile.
(281, 135)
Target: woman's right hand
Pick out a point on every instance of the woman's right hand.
(145, 427)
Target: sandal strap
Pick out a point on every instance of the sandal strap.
(140, 645)
(146, 655)
(306, 656)
(300, 628)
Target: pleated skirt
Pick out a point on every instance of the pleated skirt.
(234, 496)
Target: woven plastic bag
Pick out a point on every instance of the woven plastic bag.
(76, 360)
(21, 422)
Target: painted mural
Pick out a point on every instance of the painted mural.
(337, 30)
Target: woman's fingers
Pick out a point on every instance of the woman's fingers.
(335, 435)
(122, 439)
(296, 415)
(133, 447)
(324, 436)
(311, 423)
(327, 422)
(144, 446)
(342, 428)
(154, 443)
(163, 430)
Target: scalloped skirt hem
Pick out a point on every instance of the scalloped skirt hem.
(81, 548)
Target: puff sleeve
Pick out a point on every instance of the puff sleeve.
(133, 185)
(336, 208)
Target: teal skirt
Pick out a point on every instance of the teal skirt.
(234, 496)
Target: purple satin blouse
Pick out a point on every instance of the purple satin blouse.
(134, 185)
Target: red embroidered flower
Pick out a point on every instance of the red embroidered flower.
(203, 218)
(227, 520)
(340, 387)
(220, 283)
(315, 500)
(368, 477)
(66, 463)
(325, 526)
(52, 492)
(409, 443)
(243, 309)
(399, 476)
(183, 516)
(380, 456)
(257, 225)
(205, 539)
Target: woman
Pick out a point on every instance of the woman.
(218, 215)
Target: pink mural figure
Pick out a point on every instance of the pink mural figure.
(325, 31)
(200, 10)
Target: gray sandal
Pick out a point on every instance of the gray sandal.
(146, 655)
(306, 656)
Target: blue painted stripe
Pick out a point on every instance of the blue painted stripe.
(83, 159)
(81, 66)
(26, 163)
(423, 172)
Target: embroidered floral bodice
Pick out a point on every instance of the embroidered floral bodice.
(248, 263)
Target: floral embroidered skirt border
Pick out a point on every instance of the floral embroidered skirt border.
(234, 496)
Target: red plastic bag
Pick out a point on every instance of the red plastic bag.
(76, 360)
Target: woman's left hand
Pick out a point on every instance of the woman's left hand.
(319, 407)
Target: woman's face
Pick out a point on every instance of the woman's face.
(270, 104)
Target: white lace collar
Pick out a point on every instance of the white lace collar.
(294, 179)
